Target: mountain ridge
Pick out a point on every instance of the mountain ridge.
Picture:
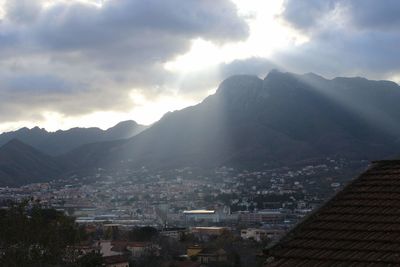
(283, 117)
(62, 141)
(251, 122)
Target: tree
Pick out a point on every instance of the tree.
(92, 259)
(34, 236)
(143, 234)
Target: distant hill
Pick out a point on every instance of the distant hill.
(251, 122)
(56, 143)
(21, 164)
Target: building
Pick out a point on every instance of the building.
(193, 250)
(201, 216)
(173, 232)
(205, 234)
(106, 248)
(253, 233)
(262, 216)
(208, 255)
(116, 261)
(261, 234)
(360, 226)
(141, 249)
(214, 231)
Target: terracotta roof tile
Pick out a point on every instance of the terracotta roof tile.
(360, 226)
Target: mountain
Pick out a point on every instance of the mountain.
(56, 143)
(249, 122)
(252, 122)
(21, 164)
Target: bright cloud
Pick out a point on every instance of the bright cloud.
(79, 58)
(66, 63)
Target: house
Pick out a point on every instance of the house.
(193, 250)
(359, 226)
(141, 249)
(270, 216)
(106, 248)
(208, 255)
(212, 231)
(119, 247)
(174, 232)
(261, 234)
(136, 249)
(253, 233)
(116, 261)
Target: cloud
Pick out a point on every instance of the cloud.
(199, 84)
(74, 57)
(362, 14)
(375, 15)
(306, 15)
(22, 11)
(345, 37)
(250, 66)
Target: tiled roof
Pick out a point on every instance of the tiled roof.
(360, 226)
(182, 264)
(211, 251)
(115, 259)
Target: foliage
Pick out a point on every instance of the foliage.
(142, 234)
(91, 259)
(34, 236)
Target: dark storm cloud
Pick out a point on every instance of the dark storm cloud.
(346, 37)
(135, 32)
(39, 84)
(363, 14)
(305, 15)
(72, 57)
(371, 14)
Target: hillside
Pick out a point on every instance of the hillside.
(21, 164)
(252, 122)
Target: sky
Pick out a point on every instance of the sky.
(85, 63)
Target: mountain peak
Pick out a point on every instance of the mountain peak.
(125, 129)
(239, 84)
(312, 75)
(38, 130)
(276, 73)
(127, 123)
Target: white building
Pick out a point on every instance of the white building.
(253, 233)
(201, 215)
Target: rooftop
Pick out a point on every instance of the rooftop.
(209, 228)
(360, 226)
(199, 211)
(115, 259)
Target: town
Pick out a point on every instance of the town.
(201, 212)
